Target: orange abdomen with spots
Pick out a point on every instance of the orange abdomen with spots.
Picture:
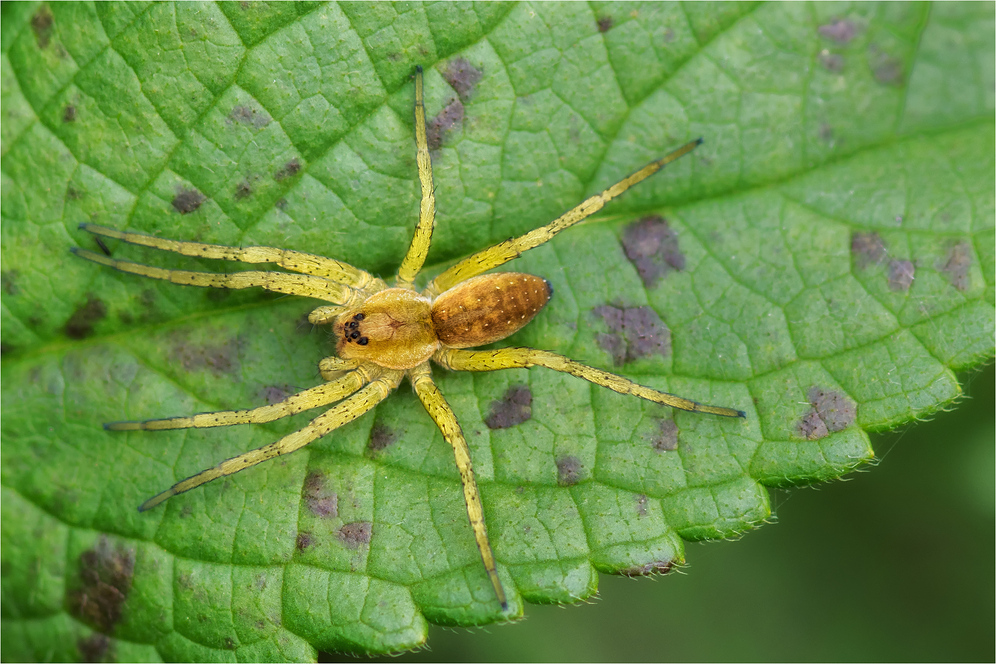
(488, 308)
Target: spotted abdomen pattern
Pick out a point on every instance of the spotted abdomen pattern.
(488, 308)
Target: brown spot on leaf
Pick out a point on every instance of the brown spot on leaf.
(243, 189)
(462, 76)
(187, 200)
(840, 30)
(80, 324)
(605, 23)
(274, 393)
(887, 69)
(641, 504)
(41, 24)
(666, 439)
(221, 357)
(827, 134)
(570, 471)
(901, 275)
(514, 408)
(96, 648)
(958, 264)
(105, 574)
(290, 169)
(321, 501)
(381, 437)
(831, 411)
(634, 332)
(650, 569)
(652, 247)
(832, 62)
(446, 121)
(246, 115)
(69, 113)
(867, 248)
(304, 540)
(355, 534)
(8, 282)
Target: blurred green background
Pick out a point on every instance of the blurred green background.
(894, 564)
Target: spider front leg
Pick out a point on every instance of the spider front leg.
(419, 247)
(514, 358)
(295, 261)
(332, 419)
(441, 413)
(315, 397)
(503, 252)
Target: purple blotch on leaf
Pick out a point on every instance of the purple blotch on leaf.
(514, 408)
(831, 411)
(840, 30)
(355, 534)
(634, 332)
(80, 325)
(958, 264)
(867, 248)
(446, 121)
(652, 246)
(462, 76)
(666, 438)
(901, 275)
(105, 576)
(321, 502)
(569, 470)
(187, 200)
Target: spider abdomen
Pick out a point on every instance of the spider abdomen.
(488, 308)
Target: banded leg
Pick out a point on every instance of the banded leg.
(315, 397)
(419, 247)
(443, 416)
(503, 252)
(280, 282)
(332, 419)
(295, 261)
(513, 358)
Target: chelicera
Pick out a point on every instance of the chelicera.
(387, 333)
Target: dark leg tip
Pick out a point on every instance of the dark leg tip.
(699, 141)
(74, 250)
(418, 68)
(741, 414)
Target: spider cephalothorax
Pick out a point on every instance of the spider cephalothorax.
(388, 333)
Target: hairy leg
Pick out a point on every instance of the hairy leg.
(295, 261)
(419, 247)
(441, 413)
(503, 252)
(511, 358)
(280, 282)
(332, 419)
(322, 395)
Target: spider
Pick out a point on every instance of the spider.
(386, 333)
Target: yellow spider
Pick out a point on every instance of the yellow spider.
(386, 333)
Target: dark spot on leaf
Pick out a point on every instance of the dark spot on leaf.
(839, 30)
(69, 113)
(74, 194)
(80, 324)
(96, 648)
(867, 248)
(462, 76)
(831, 411)
(957, 265)
(634, 332)
(569, 470)
(887, 69)
(827, 134)
(184, 581)
(249, 116)
(514, 408)
(321, 502)
(243, 189)
(381, 437)
(275, 393)
(650, 569)
(355, 534)
(290, 169)
(669, 35)
(230, 643)
(304, 540)
(281, 204)
(652, 247)
(901, 274)
(605, 23)
(220, 357)
(105, 574)
(666, 439)
(447, 120)
(641, 504)
(41, 24)
(8, 282)
(832, 62)
(6, 348)
(187, 200)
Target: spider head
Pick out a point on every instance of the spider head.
(391, 328)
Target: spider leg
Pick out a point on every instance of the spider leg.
(503, 252)
(441, 413)
(511, 358)
(280, 282)
(315, 397)
(419, 247)
(332, 419)
(295, 261)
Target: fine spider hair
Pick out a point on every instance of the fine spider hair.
(386, 333)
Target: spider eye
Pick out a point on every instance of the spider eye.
(354, 335)
(358, 317)
(362, 340)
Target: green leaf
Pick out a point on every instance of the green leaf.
(847, 149)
